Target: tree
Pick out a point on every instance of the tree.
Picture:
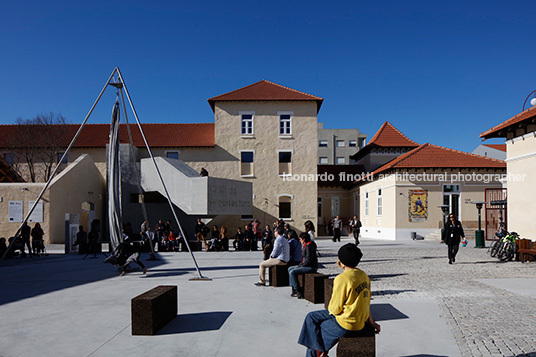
(35, 144)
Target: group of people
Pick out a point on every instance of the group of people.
(22, 240)
(354, 227)
(348, 313)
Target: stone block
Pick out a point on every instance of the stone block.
(328, 290)
(357, 346)
(278, 275)
(153, 309)
(313, 287)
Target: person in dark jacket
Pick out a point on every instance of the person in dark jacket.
(452, 235)
(309, 264)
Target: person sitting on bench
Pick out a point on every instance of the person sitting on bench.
(280, 255)
(348, 312)
(308, 265)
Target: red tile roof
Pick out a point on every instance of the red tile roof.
(501, 147)
(265, 90)
(389, 136)
(499, 131)
(158, 135)
(428, 156)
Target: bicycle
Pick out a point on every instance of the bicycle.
(496, 246)
(508, 247)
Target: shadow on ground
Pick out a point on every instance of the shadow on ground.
(29, 277)
(197, 322)
(385, 312)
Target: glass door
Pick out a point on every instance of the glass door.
(451, 197)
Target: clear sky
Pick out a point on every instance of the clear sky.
(440, 71)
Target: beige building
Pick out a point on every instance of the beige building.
(398, 193)
(520, 135)
(264, 137)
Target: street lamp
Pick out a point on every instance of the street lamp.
(445, 210)
(532, 101)
(479, 234)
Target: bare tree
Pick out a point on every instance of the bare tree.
(35, 144)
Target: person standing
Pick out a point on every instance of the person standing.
(452, 235)
(348, 313)
(267, 245)
(37, 239)
(355, 228)
(337, 225)
(25, 235)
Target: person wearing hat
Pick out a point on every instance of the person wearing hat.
(348, 313)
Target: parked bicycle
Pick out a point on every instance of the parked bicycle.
(505, 247)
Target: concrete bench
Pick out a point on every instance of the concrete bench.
(313, 286)
(153, 309)
(278, 275)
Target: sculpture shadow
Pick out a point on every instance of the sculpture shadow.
(376, 277)
(391, 292)
(384, 312)
(196, 322)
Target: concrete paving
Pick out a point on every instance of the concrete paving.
(61, 305)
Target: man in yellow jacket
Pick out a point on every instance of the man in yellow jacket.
(348, 312)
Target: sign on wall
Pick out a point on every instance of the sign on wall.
(418, 205)
(37, 214)
(15, 211)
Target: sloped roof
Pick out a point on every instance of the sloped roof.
(265, 91)
(428, 156)
(158, 135)
(386, 137)
(501, 147)
(389, 136)
(499, 131)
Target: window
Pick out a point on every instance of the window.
(366, 203)
(247, 123)
(322, 143)
(352, 143)
(285, 127)
(285, 163)
(172, 155)
(246, 217)
(319, 207)
(58, 158)
(339, 143)
(322, 160)
(380, 208)
(9, 157)
(335, 206)
(285, 207)
(246, 163)
(340, 161)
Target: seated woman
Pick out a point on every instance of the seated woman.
(309, 264)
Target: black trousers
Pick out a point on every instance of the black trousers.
(453, 250)
(337, 234)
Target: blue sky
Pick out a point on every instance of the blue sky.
(441, 72)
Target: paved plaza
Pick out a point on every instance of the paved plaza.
(61, 305)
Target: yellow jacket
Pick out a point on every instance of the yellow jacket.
(350, 301)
